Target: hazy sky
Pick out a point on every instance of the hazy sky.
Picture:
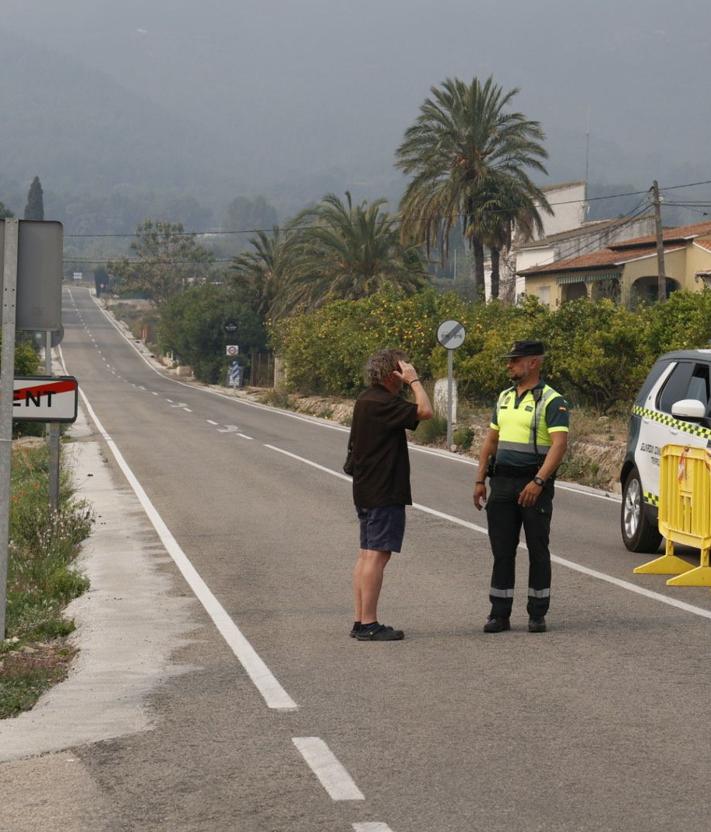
(287, 88)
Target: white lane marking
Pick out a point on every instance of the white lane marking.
(154, 393)
(446, 455)
(264, 680)
(244, 436)
(228, 429)
(370, 826)
(211, 422)
(330, 772)
(187, 410)
(309, 462)
(568, 564)
(169, 400)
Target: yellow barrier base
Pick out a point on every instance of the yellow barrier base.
(701, 576)
(665, 565)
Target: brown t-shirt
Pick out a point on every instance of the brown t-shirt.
(381, 474)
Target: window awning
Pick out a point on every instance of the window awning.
(585, 277)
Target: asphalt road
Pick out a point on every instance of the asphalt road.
(599, 724)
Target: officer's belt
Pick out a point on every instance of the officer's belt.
(515, 470)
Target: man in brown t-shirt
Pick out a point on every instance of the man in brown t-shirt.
(381, 479)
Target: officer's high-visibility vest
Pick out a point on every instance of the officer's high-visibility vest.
(524, 428)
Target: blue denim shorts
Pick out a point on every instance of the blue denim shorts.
(382, 529)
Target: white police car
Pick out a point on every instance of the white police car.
(672, 407)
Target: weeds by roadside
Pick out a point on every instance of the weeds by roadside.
(41, 582)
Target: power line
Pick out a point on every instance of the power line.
(220, 232)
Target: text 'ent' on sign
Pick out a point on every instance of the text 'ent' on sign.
(45, 399)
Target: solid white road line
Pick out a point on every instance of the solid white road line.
(324, 764)
(211, 422)
(369, 826)
(244, 436)
(568, 564)
(266, 683)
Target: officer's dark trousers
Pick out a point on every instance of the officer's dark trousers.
(505, 518)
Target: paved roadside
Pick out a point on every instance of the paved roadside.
(128, 625)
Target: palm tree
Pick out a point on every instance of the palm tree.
(264, 270)
(460, 146)
(347, 251)
(504, 205)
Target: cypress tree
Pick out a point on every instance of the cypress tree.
(34, 210)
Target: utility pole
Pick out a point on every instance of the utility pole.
(7, 375)
(661, 276)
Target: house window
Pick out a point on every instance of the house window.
(544, 295)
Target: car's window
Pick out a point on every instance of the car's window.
(699, 385)
(675, 387)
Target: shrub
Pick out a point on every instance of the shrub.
(463, 436)
(191, 325)
(431, 431)
(598, 353)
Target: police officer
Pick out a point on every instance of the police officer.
(526, 442)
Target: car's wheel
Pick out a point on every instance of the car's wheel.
(639, 532)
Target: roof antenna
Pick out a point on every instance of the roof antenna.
(587, 161)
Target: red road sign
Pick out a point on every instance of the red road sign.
(45, 398)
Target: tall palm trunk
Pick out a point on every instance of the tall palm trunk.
(477, 268)
(495, 261)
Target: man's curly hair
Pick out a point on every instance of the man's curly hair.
(382, 363)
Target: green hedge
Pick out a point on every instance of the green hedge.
(598, 353)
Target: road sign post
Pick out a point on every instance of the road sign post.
(52, 438)
(7, 373)
(450, 335)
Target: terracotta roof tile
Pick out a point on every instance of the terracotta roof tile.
(595, 260)
(706, 243)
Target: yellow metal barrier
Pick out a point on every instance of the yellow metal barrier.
(684, 514)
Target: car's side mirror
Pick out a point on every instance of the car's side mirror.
(689, 409)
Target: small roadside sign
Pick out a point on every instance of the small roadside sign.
(78, 275)
(232, 350)
(451, 334)
(235, 375)
(45, 399)
(230, 327)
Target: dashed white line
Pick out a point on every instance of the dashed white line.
(211, 422)
(187, 410)
(369, 826)
(330, 772)
(244, 436)
(169, 400)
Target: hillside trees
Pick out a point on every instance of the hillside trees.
(5, 213)
(166, 261)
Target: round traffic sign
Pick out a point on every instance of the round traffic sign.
(232, 349)
(451, 334)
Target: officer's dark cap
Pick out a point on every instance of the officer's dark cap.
(525, 348)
